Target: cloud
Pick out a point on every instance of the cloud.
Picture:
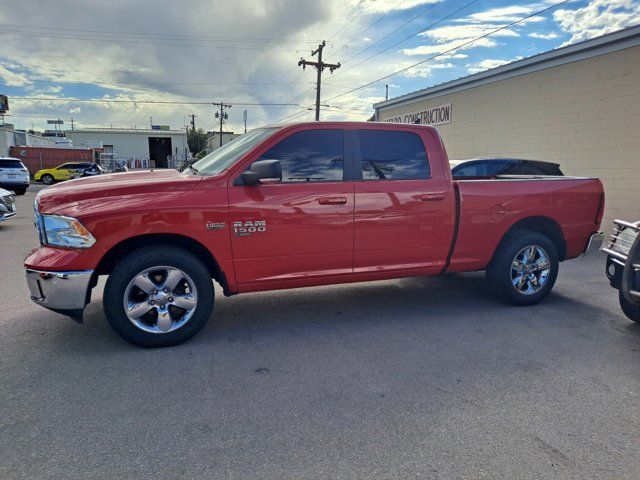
(384, 6)
(598, 18)
(425, 71)
(501, 15)
(544, 36)
(12, 79)
(158, 64)
(466, 32)
(488, 63)
(444, 47)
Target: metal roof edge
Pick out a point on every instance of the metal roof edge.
(125, 130)
(608, 43)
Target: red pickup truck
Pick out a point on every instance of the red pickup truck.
(296, 206)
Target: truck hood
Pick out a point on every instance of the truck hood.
(100, 188)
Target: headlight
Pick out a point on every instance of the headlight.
(66, 232)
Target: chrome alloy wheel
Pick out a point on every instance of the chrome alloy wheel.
(160, 299)
(530, 269)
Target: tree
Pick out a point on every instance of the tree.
(197, 140)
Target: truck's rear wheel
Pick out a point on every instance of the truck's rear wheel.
(524, 269)
(157, 297)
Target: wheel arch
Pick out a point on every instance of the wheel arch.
(118, 251)
(544, 225)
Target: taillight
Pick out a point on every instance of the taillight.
(600, 211)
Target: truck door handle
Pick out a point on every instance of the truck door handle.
(432, 197)
(332, 201)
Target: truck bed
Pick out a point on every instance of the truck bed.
(487, 208)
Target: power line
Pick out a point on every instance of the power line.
(169, 35)
(288, 117)
(42, 80)
(457, 47)
(152, 102)
(129, 42)
(419, 14)
(422, 30)
(351, 20)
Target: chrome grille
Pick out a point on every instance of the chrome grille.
(621, 239)
(8, 199)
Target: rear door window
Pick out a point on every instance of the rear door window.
(310, 156)
(392, 155)
(4, 163)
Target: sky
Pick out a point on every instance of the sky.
(98, 62)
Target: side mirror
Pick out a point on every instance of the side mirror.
(262, 170)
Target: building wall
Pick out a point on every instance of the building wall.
(10, 138)
(584, 115)
(213, 139)
(127, 145)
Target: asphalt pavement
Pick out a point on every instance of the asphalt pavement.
(413, 378)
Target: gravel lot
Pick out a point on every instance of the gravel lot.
(415, 378)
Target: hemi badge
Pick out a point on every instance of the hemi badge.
(214, 225)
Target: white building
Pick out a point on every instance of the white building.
(213, 139)
(159, 147)
(10, 137)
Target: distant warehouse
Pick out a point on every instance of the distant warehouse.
(135, 146)
(578, 106)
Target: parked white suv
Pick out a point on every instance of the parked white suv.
(13, 175)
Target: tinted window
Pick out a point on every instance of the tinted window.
(11, 164)
(388, 155)
(480, 169)
(310, 156)
(466, 171)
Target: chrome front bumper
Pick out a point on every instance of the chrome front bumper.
(7, 211)
(63, 292)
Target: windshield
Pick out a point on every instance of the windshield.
(225, 156)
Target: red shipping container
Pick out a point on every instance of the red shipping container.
(37, 158)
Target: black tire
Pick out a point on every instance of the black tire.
(129, 268)
(47, 179)
(499, 271)
(631, 310)
(20, 191)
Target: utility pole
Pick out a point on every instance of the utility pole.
(193, 131)
(319, 66)
(221, 115)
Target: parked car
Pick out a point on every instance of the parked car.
(91, 169)
(623, 266)
(296, 206)
(14, 175)
(66, 171)
(492, 167)
(7, 205)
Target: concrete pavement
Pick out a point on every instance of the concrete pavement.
(414, 378)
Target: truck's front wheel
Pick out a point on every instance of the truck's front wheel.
(158, 296)
(524, 269)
